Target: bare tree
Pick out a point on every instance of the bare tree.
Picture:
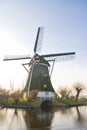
(64, 92)
(78, 87)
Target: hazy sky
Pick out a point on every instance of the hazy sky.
(65, 30)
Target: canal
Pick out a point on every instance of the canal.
(74, 118)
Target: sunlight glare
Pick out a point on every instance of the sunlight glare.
(11, 71)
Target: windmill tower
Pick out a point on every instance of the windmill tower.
(38, 76)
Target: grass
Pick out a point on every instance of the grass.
(70, 102)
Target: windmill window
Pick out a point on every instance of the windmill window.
(46, 93)
(45, 85)
(45, 75)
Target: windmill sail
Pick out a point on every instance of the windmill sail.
(17, 57)
(39, 38)
(59, 56)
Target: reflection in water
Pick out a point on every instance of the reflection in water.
(37, 119)
(17, 119)
(81, 117)
(12, 120)
(3, 114)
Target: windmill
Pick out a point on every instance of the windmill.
(38, 74)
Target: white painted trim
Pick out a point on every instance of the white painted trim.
(45, 94)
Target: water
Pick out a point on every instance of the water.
(37, 119)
